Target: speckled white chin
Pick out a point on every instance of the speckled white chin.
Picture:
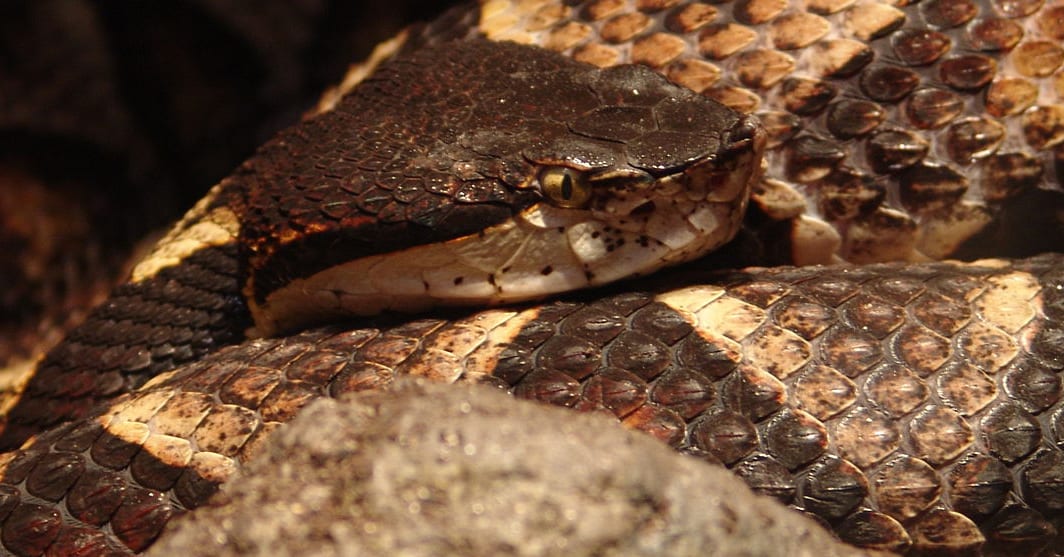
(542, 251)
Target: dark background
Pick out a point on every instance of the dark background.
(116, 115)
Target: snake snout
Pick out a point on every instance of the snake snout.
(730, 174)
(745, 136)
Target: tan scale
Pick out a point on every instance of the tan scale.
(922, 349)
(548, 15)
(285, 402)
(824, 392)
(136, 410)
(778, 351)
(813, 238)
(1007, 302)
(756, 12)
(1010, 96)
(389, 351)
(737, 98)
(601, 9)
(850, 405)
(201, 227)
(169, 450)
(763, 68)
(869, 20)
(966, 389)
(865, 436)
(692, 17)
(797, 30)
(212, 466)
(597, 55)
(945, 230)
(748, 63)
(225, 429)
(565, 36)
(736, 319)
(623, 27)
(657, 50)
(697, 75)
(896, 391)
(829, 6)
(495, 329)
(182, 414)
(939, 434)
(135, 433)
(987, 347)
(722, 40)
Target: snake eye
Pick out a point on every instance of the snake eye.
(565, 187)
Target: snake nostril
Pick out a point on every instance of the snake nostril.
(745, 135)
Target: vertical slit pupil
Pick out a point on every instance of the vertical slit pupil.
(567, 186)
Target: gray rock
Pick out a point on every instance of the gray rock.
(428, 470)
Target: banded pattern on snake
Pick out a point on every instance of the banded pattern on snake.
(669, 362)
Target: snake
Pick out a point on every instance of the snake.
(515, 150)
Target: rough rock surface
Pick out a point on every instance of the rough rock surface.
(425, 470)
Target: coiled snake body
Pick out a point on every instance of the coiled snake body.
(909, 405)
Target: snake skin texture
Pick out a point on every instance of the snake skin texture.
(387, 170)
(898, 130)
(909, 407)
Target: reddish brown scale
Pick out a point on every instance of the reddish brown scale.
(945, 14)
(379, 172)
(895, 150)
(994, 449)
(144, 328)
(916, 67)
(927, 187)
(847, 119)
(810, 158)
(994, 34)
(845, 194)
(1051, 22)
(967, 72)
(888, 83)
(919, 47)
(933, 107)
(805, 97)
(1017, 8)
(894, 425)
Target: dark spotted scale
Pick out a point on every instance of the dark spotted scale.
(409, 158)
(423, 152)
(910, 408)
(144, 328)
(807, 382)
(867, 89)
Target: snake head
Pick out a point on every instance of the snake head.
(482, 173)
(668, 184)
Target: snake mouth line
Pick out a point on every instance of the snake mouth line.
(632, 230)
